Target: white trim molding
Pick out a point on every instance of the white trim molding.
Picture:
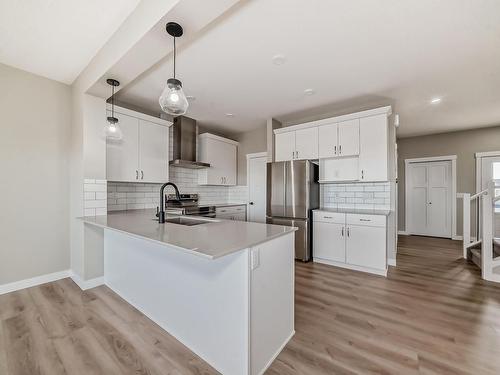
(34, 281)
(87, 284)
(486, 154)
(391, 262)
(453, 159)
(403, 233)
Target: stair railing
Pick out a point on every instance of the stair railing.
(468, 201)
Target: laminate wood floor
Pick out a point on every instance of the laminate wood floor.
(432, 315)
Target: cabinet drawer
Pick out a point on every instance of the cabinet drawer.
(230, 210)
(368, 220)
(329, 217)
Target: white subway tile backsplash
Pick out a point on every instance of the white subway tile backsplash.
(139, 195)
(356, 195)
(100, 195)
(89, 195)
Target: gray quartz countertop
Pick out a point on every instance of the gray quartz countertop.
(212, 240)
(360, 211)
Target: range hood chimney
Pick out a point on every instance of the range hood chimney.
(185, 140)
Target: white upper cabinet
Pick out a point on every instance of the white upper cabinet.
(374, 152)
(353, 147)
(221, 154)
(328, 140)
(297, 144)
(285, 146)
(142, 154)
(306, 144)
(153, 152)
(348, 138)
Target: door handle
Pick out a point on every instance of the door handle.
(136, 174)
(142, 175)
(251, 203)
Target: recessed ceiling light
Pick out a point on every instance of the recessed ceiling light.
(191, 98)
(435, 100)
(309, 92)
(279, 59)
(229, 115)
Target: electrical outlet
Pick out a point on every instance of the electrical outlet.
(255, 258)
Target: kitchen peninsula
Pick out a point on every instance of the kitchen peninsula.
(225, 289)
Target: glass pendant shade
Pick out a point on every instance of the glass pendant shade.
(112, 130)
(173, 100)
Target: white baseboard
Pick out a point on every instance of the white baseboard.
(87, 284)
(351, 267)
(457, 238)
(391, 262)
(34, 281)
(402, 233)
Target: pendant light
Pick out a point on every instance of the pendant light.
(172, 100)
(112, 129)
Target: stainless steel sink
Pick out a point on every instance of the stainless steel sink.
(185, 221)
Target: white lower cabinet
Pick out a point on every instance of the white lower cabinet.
(236, 213)
(351, 241)
(329, 241)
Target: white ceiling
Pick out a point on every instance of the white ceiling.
(57, 38)
(354, 54)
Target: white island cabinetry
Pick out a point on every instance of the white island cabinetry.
(225, 289)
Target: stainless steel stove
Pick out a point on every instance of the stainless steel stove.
(187, 205)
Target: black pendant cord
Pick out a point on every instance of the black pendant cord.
(174, 55)
(113, 102)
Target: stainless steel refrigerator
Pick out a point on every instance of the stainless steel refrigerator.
(292, 193)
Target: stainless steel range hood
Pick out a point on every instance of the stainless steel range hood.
(185, 139)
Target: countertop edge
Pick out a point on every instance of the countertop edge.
(183, 249)
(355, 211)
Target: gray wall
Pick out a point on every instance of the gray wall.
(35, 115)
(464, 144)
(250, 142)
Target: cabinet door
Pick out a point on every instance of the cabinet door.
(340, 169)
(213, 155)
(122, 157)
(306, 144)
(284, 146)
(329, 241)
(153, 152)
(373, 148)
(327, 141)
(227, 162)
(366, 246)
(348, 138)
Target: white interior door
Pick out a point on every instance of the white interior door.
(429, 198)
(257, 168)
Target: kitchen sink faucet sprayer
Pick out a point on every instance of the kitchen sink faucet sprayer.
(160, 211)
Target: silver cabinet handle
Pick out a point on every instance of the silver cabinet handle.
(340, 149)
(364, 220)
(342, 231)
(136, 174)
(293, 154)
(335, 149)
(348, 233)
(142, 175)
(362, 174)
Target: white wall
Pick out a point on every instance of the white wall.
(35, 115)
